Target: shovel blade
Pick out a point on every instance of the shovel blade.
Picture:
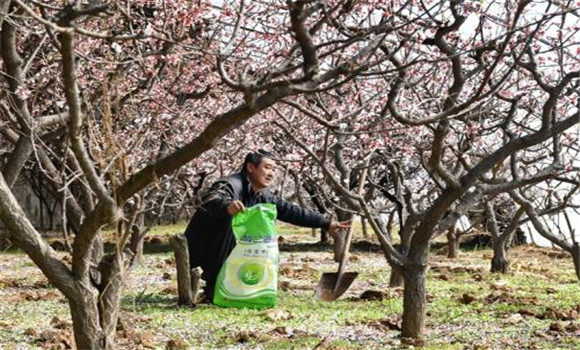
(328, 290)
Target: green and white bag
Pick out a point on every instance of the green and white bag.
(249, 276)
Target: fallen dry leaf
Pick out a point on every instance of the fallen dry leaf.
(287, 271)
(391, 323)
(245, 336)
(31, 332)
(373, 295)
(177, 344)
(526, 312)
(284, 285)
(171, 290)
(284, 330)
(556, 327)
(55, 340)
(467, 298)
(276, 315)
(146, 339)
(60, 324)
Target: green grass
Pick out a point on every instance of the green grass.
(151, 317)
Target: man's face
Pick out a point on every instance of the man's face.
(262, 175)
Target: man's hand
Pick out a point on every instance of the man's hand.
(235, 207)
(335, 226)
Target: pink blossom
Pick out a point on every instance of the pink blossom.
(23, 93)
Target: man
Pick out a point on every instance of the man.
(209, 233)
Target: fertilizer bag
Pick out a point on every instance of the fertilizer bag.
(249, 276)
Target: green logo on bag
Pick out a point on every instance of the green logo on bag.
(251, 273)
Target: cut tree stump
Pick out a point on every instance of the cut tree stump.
(188, 281)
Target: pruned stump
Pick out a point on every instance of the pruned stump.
(196, 282)
(363, 223)
(188, 280)
(452, 243)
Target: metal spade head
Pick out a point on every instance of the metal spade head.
(331, 287)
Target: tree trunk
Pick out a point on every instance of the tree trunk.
(576, 258)
(324, 236)
(396, 279)
(452, 243)
(113, 271)
(88, 332)
(414, 304)
(184, 290)
(4, 240)
(499, 262)
(137, 239)
(338, 245)
(363, 223)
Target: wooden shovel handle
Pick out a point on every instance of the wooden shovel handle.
(344, 256)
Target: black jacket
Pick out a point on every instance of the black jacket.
(209, 233)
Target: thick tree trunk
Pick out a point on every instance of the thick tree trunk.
(87, 330)
(96, 315)
(499, 262)
(414, 304)
(113, 272)
(452, 243)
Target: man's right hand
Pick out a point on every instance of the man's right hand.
(336, 226)
(235, 207)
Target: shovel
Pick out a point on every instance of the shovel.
(333, 284)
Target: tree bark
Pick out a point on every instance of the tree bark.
(113, 270)
(452, 243)
(3, 10)
(324, 236)
(196, 282)
(363, 223)
(184, 282)
(414, 303)
(499, 262)
(576, 258)
(396, 279)
(88, 332)
(137, 238)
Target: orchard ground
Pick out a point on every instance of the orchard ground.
(536, 306)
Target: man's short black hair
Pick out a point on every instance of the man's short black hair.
(256, 158)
